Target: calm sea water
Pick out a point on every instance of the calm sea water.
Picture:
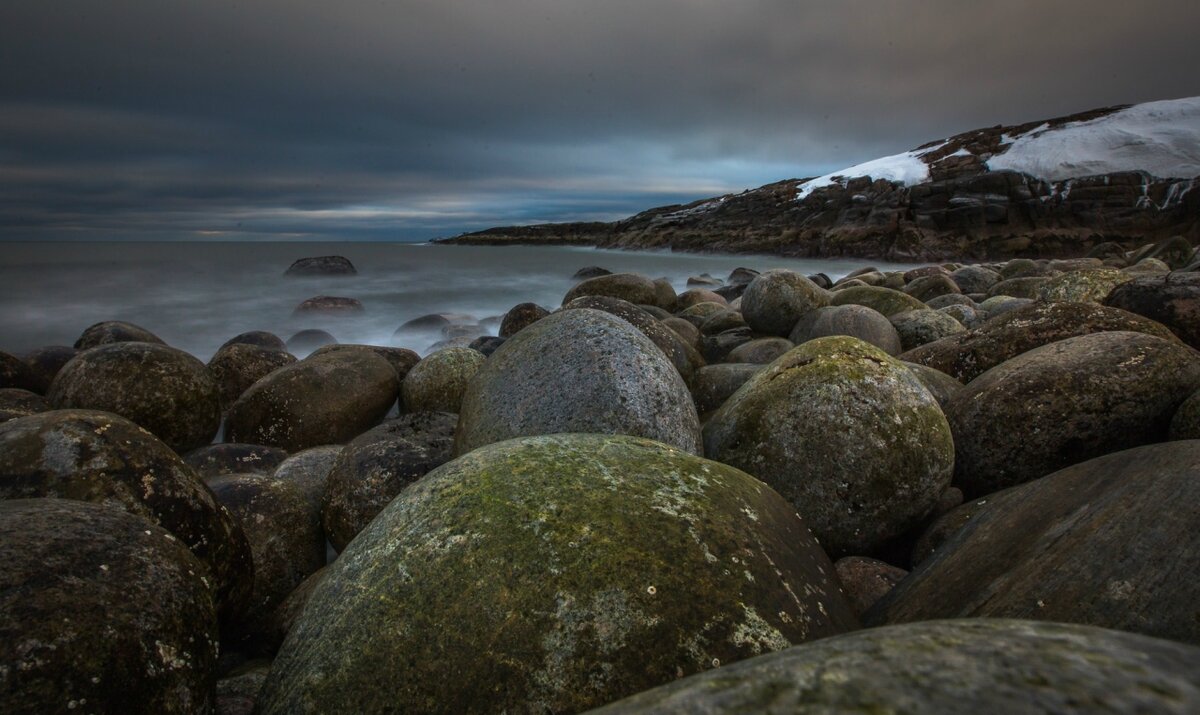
(197, 295)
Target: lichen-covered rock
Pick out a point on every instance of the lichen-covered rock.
(1186, 422)
(16, 403)
(238, 366)
(165, 390)
(231, 458)
(865, 580)
(101, 457)
(968, 355)
(959, 667)
(526, 569)
(761, 351)
(437, 383)
(940, 385)
(321, 266)
(1085, 286)
(1173, 300)
(776, 299)
(378, 465)
(845, 433)
(261, 338)
(967, 315)
(685, 358)
(1109, 542)
(45, 362)
(101, 612)
(1065, 403)
(856, 321)
(324, 400)
(715, 383)
(626, 286)
(882, 300)
(918, 327)
(578, 371)
(975, 279)
(521, 316)
(115, 331)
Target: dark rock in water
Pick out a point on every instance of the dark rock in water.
(14, 373)
(261, 338)
(100, 612)
(578, 371)
(431, 322)
(1110, 542)
(526, 569)
(591, 272)
(715, 383)
(238, 691)
(919, 327)
(322, 266)
(238, 366)
(1067, 402)
(626, 286)
(378, 465)
(401, 359)
(100, 457)
(16, 403)
(761, 351)
(715, 348)
(1173, 300)
(306, 341)
(684, 357)
(486, 344)
(521, 316)
(856, 321)
(776, 299)
(968, 355)
(45, 362)
(217, 460)
(462, 331)
(329, 305)
(865, 580)
(975, 279)
(286, 541)
(1186, 422)
(741, 276)
(115, 331)
(845, 433)
(882, 300)
(324, 400)
(165, 390)
(961, 667)
(437, 383)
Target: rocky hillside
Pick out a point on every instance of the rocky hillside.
(1051, 188)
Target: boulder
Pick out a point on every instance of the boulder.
(578, 371)
(101, 612)
(1185, 424)
(715, 383)
(947, 524)
(1083, 286)
(626, 286)
(526, 569)
(949, 299)
(693, 296)
(521, 316)
(684, 357)
(776, 299)
(305, 341)
(309, 470)
(261, 338)
(1001, 304)
(329, 305)
(115, 331)
(718, 321)
(1065, 403)
(16, 403)
(325, 400)
(865, 580)
(437, 383)
(45, 362)
(1173, 300)
(15, 374)
(975, 279)
(1109, 542)
(321, 266)
(237, 366)
(160, 388)
(741, 276)
(486, 344)
(664, 295)
(918, 327)
(856, 321)
(217, 460)
(591, 272)
(1029, 287)
(238, 691)
(883, 300)
(940, 385)
(967, 315)
(761, 351)
(1024, 268)
(704, 279)
(687, 332)
(845, 433)
(928, 287)
(401, 359)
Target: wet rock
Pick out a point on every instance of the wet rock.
(437, 383)
(1084, 286)
(1085, 544)
(261, 338)
(578, 371)
(761, 351)
(115, 331)
(220, 459)
(846, 434)
(321, 266)
(684, 357)
(591, 272)
(238, 366)
(16, 403)
(100, 457)
(329, 305)
(525, 567)
(1173, 300)
(865, 580)
(401, 359)
(776, 299)
(100, 611)
(961, 666)
(856, 321)
(715, 383)
(323, 400)
(1186, 422)
(741, 276)
(975, 279)
(160, 388)
(704, 279)
(521, 316)
(45, 362)
(15, 374)
(305, 341)
(1065, 403)
(629, 287)
(883, 300)
(378, 465)
(821, 280)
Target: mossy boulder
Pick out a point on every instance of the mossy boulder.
(45, 362)
(1065, 403)
(1001, 304)
(231, 458)
(160, 388)
(16, 403)
(115, 331)
(845, 433)
(378, 465)
(882, 300)
(968, 355)
(761, 351)
(520, 317)
(1173, 300)
(102, 612)
(776, 299)
(578, 371)
(960, 667)
(554, 574)
(626, 286)
(684, 357)
(238, 366)
(715, 383)
(1084, 286)
(437, 383)
(918, 327)
(968, 316)
(104, 458)
(329, 399)
(1025, 268)
(856, 321)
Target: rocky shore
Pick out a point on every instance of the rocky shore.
(965, 487)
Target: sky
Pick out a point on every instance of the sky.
(410, 119)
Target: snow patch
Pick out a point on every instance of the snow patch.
(906, 168)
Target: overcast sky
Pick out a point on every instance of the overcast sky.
(273, 119)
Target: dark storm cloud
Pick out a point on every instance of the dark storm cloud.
(422, 118)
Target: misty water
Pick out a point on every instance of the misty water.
(195, 296)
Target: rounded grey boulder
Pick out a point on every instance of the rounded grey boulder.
(629, 287)
(437, 383)
(115, 331)
(856, 321)
(776, 299)
(239, 365)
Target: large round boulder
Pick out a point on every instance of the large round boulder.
(401, 359)
(305, 341)
(160, 388)
(776, 299)
(1172, 299)
(918, 327)
(959, 667)
(629, 287)
(1109, 542)
(715, 383)
(761, 351)
(309, 470)
(520, 317)
(1086, 286)
(845, 433)
(261, 338)
(926, 288)
(975, 279)
(237, 366)
(16, 403)
(1065, 403)
(100, 612)
(1186, 422)
(578, 371)
(878, 298)
(857, 321)
(115, 331)
(100, 457)
(684, 357)
(45, 362)
(329, 399)
(523, 578)
(437, 383)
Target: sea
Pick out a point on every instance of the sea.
(195, 296)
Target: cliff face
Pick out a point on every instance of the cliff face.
(987, 194)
